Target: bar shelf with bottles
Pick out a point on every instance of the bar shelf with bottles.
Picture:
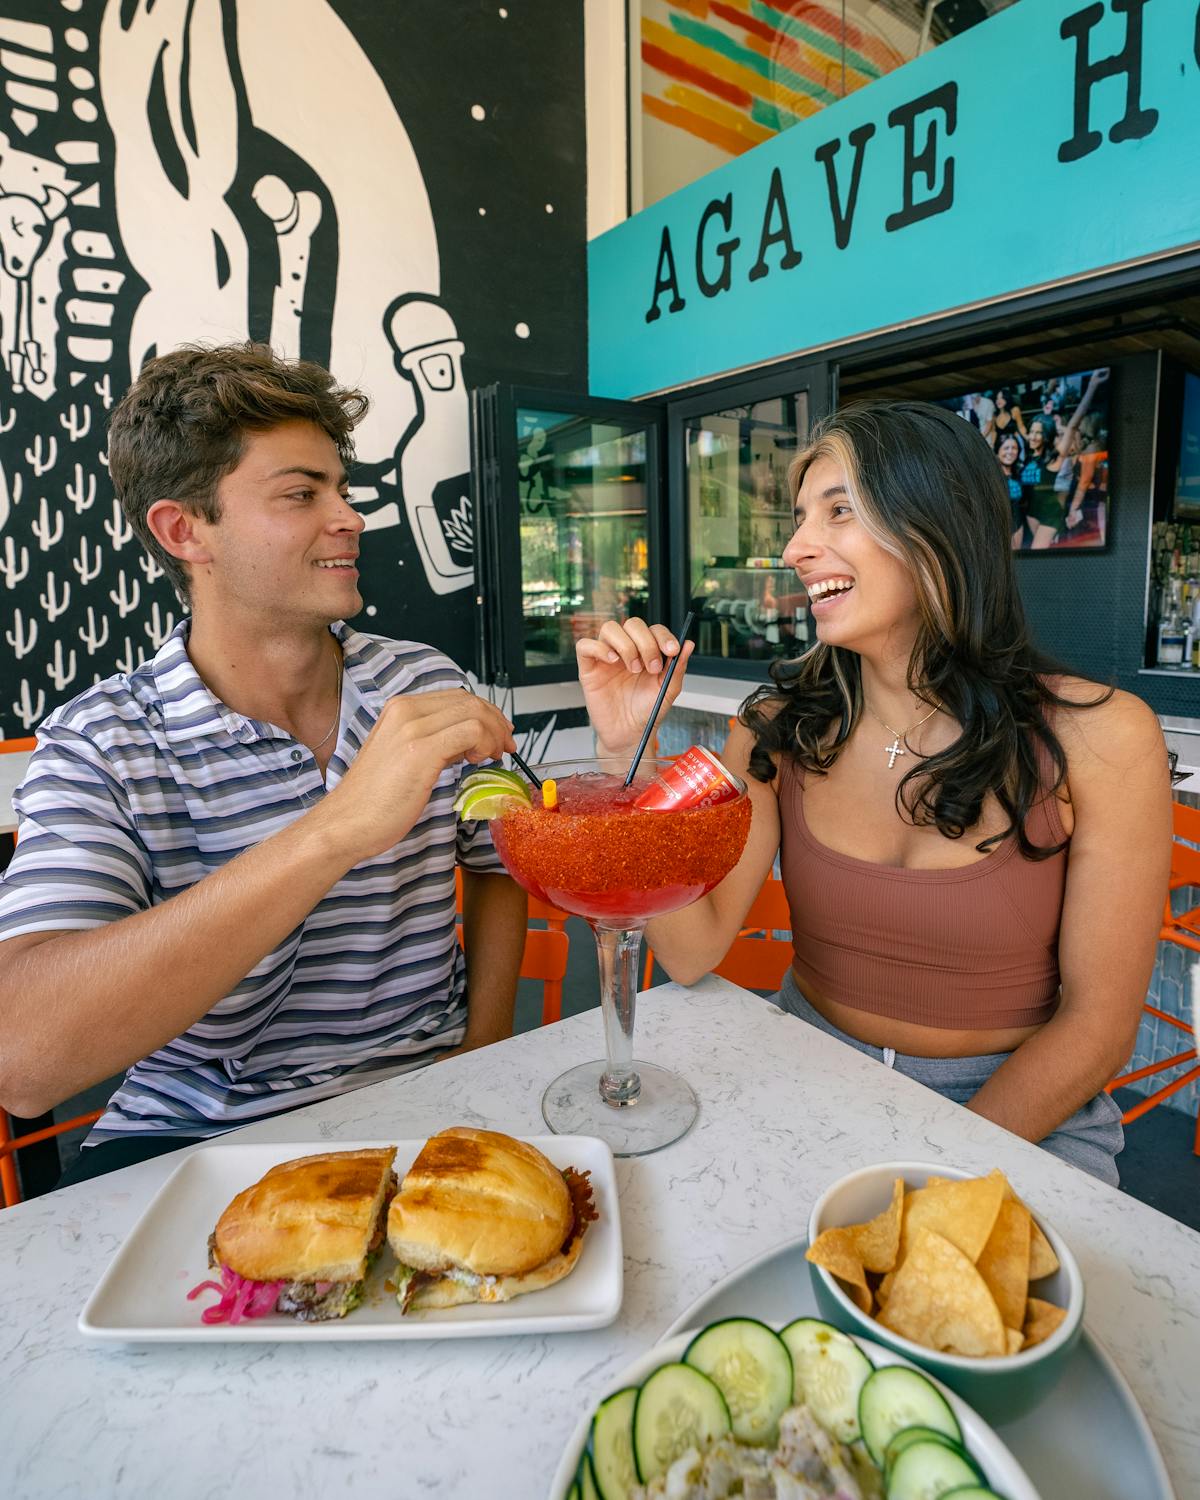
(1173, 633)
(749, 604)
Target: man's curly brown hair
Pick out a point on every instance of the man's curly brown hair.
(182, 426)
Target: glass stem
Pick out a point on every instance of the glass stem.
(618, 950)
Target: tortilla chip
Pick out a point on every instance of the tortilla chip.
(884, 1290)
(878, 1242)
(939, 1300)
(1041, 1319)
(1015, 1340)
(963, 1212)
(1042, 1259)
(836, 1251)
(1004, 1261)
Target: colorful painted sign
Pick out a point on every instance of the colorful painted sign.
(1054, 140)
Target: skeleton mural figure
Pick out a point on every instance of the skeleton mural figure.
(186, 84)
(429, 354)
(33, 229)
(174, 171)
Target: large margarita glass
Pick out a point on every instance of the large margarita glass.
(599, 857)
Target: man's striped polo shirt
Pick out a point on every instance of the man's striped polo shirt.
(145, 784)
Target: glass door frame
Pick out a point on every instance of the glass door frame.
(818, 378)
(501, 654)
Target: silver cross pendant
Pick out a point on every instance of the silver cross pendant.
(892, 750)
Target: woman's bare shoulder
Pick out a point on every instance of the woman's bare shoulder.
(1105, 728)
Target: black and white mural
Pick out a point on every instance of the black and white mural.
(395, 188)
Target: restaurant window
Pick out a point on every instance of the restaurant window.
(584, 529)
(569, 500)
(750, 606)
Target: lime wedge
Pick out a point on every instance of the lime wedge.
(483, 793)
(489, 776)
(488, 802)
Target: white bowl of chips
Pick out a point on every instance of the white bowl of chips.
(953, 1272)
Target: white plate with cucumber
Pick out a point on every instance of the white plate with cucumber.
(746, 1399)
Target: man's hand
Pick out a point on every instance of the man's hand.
(414, 739)
(620, 672)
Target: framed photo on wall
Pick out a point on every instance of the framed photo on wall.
(1051, 441)
(1186, 502)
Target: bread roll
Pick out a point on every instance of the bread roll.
(311, 1219)
(479, 1201)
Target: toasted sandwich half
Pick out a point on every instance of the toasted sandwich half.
(481, 1217)
(313, 1226)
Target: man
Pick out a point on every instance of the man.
(235, 868)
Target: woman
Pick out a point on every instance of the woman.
(1044, 506)
(1006, 418)
(975, 846)
(1008, 455)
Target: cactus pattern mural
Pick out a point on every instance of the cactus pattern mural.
(395, 191)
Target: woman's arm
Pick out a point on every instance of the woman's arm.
(691, 942)
(495, 919)
(1117, 873)
(1019, 420)
(620, 671)
(1097, 379)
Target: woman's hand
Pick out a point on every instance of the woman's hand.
(620, 672)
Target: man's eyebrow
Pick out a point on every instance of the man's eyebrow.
(320, 476)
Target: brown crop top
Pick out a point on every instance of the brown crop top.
(965, 949)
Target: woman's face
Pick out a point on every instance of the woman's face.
(1001, 400)
(1007, 450)
(1037, 440)
(861, 596)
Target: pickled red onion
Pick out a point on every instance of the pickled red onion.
(239, 1298)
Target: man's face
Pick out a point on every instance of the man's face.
(286, 544)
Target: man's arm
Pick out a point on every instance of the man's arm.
(76, 1007)
(495, 918)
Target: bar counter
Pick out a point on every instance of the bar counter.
(784, 1111)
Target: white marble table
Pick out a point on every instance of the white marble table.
(12, 772)
(784, 1111)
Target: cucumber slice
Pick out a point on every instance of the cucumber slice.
(973, 1492)
(751, 1366)
(678, 1408)
(895, 1397)
(613, 1467)
(907, 1436)
(586, 1478)
(830, 1372)
(927, 1471)
(573, 1492)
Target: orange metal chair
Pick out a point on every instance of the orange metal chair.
(14, 747)
(546, 950)
(1183, 929)
(757, 959)
(10, 1184)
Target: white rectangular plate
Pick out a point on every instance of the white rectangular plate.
(143, 1294)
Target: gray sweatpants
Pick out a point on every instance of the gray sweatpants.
(1090, 1139)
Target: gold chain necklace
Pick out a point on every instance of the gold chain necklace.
(896, 748)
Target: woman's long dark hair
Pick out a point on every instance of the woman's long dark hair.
(927, 488)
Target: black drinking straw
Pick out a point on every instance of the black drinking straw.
(525, 769)
(521, 765)
(681, 636)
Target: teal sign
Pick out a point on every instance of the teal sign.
(1055, 139)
